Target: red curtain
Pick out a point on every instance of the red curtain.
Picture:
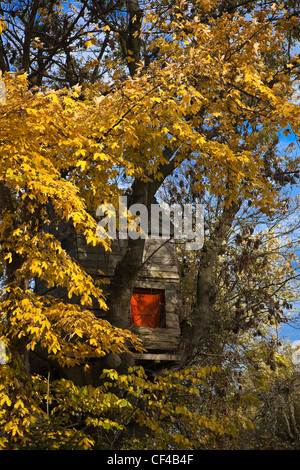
(146, 307)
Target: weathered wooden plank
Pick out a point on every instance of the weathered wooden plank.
(158, 270)
(156, 283)
(154, 331)
(167, 342)
(160, 342)
(162, 278)
(172, 275)
(157, 345)
(157, 357)
(170, 333)
(167, 345)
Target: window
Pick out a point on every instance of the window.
(148, 308)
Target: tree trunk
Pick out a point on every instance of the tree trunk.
(202, 319)
(127, 270)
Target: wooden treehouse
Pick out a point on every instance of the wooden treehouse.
(154, 311)
(155, 303)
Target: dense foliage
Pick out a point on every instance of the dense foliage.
(187, 100)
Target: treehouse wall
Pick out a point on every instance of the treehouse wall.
(159, 271)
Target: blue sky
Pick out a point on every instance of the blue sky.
(289, 331)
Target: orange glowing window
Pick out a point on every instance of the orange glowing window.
(147, 307)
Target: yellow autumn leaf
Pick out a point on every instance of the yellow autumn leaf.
(82, 164)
